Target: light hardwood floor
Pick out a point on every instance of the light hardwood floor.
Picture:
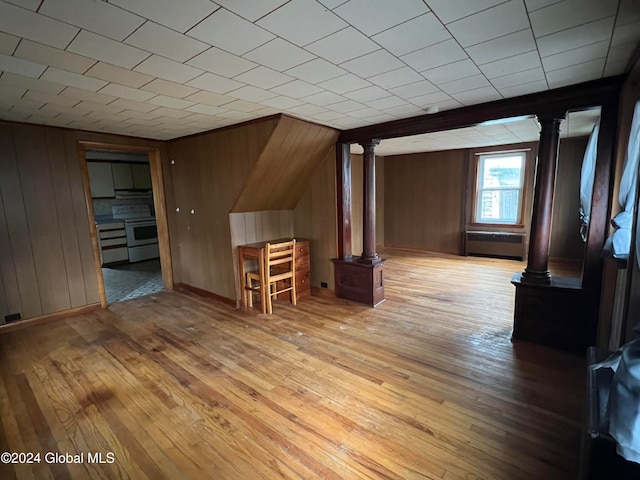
(427, 385)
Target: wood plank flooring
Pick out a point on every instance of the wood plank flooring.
(426, 386)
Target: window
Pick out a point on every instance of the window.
(500, 180)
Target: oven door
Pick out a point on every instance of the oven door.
(141, 232)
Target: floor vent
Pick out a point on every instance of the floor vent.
(495, 244)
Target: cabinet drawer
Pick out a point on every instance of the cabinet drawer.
(110, 242)
(113, 255)
(302, 249)
(113, 234)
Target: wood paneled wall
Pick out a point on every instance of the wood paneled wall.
(424, 200)
(357, 200)
(46, 255)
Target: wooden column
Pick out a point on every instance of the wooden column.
(343, 187)
(537, 270)
(369, 254)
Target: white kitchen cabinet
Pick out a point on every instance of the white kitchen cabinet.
(113, 242)
(100, 179)
(122, 176)
(141, 176)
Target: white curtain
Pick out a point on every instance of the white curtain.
(586, 180)
(618, 245)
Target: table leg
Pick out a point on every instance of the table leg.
(243, 277)
(263, 287)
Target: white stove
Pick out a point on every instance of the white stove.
(142, 231)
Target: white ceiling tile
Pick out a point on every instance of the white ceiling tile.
(127, 92)
(98, 107)
(323, 98)
(450, 10)
(344, 45)
(364, 113)
(180, 16)
(575, 37)
(72, 79)
(279, 54)
(524, 89)
(346, 106)
(517, 63)
(414, 89)
(297, 89)
(252, 10)
(373, 63)
(576, 73)
(302, 22)
(242, 106)
(85, 95)
(306, 110)
(492, 23)
(264, 77)
(30, 4)
(209, 98)
(575, 56)
(345, 83)
(205, 109)
(166, 42)
(230, 32)
(282, 102)
(373, 16)
(214, 83)
(170, 102)
(252, 94)
(629, 12)
(621, 54)
(519, 78)
(46, 55)
(20, 66)
(450, 72)
(171, 89)
(237, 116)
(503, 47)
(469, 83)
(50, 98)
(316, 71)
(626, 33)
(12, 80)
(365, 95)
(434, 56)
(328, 116)
(387, 102)
(99, 17)
(431, 99)
(157, 66)
(24, 23)
(396, 78)
(533, 5)
(123, 76)
(413, 35)
(570, 13)
(102, 48)
(8, 43)
(479, 95)
(171, 112)
(134, 106)
(218, 61)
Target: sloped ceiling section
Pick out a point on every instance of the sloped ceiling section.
(294, 151)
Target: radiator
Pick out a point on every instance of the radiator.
(495, 244)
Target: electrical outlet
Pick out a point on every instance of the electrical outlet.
(12, 317)
(323, 284)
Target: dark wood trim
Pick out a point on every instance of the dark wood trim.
(184, 288)
(369, 254)
(599, 218)
(573, 97)
(343, 193)
(50, 317)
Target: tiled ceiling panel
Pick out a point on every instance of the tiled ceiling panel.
(164, 69)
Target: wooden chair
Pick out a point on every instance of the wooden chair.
(279, 272)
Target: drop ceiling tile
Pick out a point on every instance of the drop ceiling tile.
(252, 10)
(99, 17)
(570, 13)
(533, 5)
(365, 95)
(180, 16)
(171, 113)
(387, 102)
(12, 80)
(414, 89)
(46, 55)
(576, 37)
(230, 32)
(328, 116)
(170, 102)
(492, 23)
(450, 72)
(157, 66)
(323, 98)
(126, 92)
(506, 66)
(373, 63)
(279, 54)
(524, 89)
(237, 116)
(220, 62)
(302, 22)
(366, 113)
(252, 94)
(450, 10)
(297, 89)
(8, 44)
(24, 23)
(413, 35)
(214, 83)
(346, 106)
(306, 110)
(503, 47)
(205, 109)
(98, 107)
(575, 56)
(134, 106)
(629, 12)
(519, 78)
(345, 83)
(373, 16)
(30, 4)
(576, 73)
(50, 98)
(316, 71)
(626, 33)
(344, 45)
(469, 83)
(166, 42)
(621, 54)
(431, 99)
(396, 78)
(171, 89)
(20, 66)
(85, 95)
(264, 77)
(72, 79)
(209, 98)
(282, 102)
(102, 48)
(123, 76)
(434, 56)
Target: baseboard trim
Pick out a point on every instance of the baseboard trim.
(50, 317)
(183, 287)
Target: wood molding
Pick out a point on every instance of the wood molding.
(343, 192)
(183, 287)
(573, 97)
(50, 317)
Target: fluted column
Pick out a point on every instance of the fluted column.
(369, 254)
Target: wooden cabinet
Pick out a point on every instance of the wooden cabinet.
(122, 176)
(100, 179)
(303, 269)
(113, 243)
(141, 176)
